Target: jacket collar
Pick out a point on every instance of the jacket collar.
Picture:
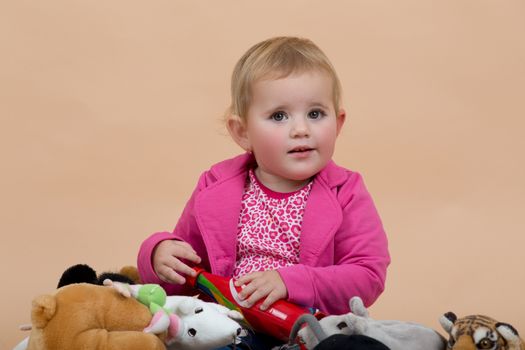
(219, 205)
(332, 174)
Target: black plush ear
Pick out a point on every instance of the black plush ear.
(79, 273)
(451, 316)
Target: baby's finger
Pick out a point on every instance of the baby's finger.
(247, 290)
(188, 255)
(246, 279)
(169, 275)
(184, 269)
(185, 245)
(270, 299)
(255, 297)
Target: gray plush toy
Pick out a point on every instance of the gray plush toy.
(333, 342)
(396, 335)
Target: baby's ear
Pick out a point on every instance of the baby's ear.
(341, 117)
(237, 129)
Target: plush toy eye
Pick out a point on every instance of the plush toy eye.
(198, 310)
(342, 325)
(192, 332)
(485, 343)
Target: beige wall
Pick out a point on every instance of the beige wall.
(110, 110)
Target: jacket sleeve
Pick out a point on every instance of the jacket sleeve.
(360, 258)
(186, 230)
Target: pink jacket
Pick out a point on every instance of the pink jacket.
(343, 253)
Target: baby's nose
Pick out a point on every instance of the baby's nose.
(300, 129)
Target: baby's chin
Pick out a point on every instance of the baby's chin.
(305, 174)
(302, 176)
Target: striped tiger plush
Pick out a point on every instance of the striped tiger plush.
(479, 332)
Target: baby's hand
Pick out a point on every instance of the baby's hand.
(262, 284)
(167, 261)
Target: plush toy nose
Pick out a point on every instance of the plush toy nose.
(239, 330)
(464, 342)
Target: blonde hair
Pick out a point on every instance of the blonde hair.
(277, 58)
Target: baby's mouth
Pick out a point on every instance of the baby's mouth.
(300, 150)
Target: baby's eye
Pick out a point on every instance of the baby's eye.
(315, 114)
(278, 116)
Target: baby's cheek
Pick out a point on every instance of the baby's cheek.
(326, 137)
(270, 145)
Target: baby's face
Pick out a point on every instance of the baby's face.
(292, 126)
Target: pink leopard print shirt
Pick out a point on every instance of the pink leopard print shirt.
(269, 228)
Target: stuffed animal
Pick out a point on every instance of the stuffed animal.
(480, 332)
(396, 335)
(333, 342)
(276, 321)
(87, 316)
(191, 323)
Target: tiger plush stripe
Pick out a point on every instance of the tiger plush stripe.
(479, 332)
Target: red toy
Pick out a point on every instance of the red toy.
(276, 321)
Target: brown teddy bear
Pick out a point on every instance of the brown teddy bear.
(87, 316)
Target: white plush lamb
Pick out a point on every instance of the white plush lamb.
(191, 323)
(397, 335)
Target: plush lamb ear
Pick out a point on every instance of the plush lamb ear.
(355, 324)
(357, 307)
(43, 310)
(186, 306)
(235, 315)
(122, 288)
(175, 326)
(447, 321)
(510, 334)
(220, 308)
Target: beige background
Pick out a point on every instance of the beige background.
(110, 110)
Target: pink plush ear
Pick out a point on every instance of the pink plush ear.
(159, 323)
(174, 327)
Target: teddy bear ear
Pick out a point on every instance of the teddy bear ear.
(132, 273)
(43, 310)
